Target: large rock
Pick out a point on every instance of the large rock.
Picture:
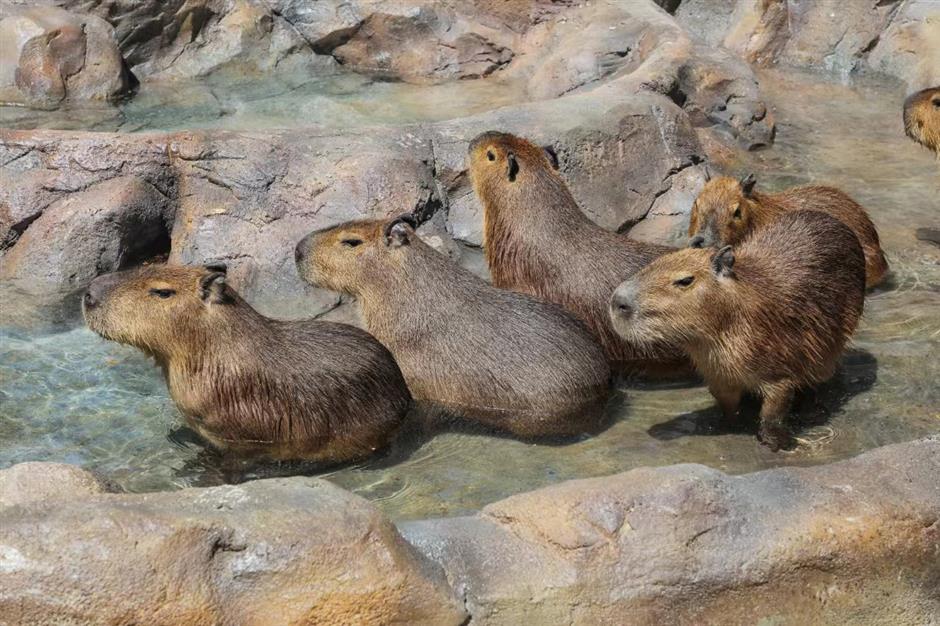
(910, 47)
(46, 482)
(856, 541)
(49, 56)
(295, 551)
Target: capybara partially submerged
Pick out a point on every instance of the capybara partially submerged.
(728, 210)
(770, 317)
(502, 358)
(308, 390)
(922, 118)
(538, 241)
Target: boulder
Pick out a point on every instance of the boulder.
(49, 56)
(910, 47)
(290, 551)
(854, 541)
(35, 482)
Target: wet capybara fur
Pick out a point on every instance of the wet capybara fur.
(537, 241)
(728, 210)
(769, 317)
(501, 358)
(922, 118)
(309, 390)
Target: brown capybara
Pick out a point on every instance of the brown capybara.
(728, 210)
(502, 358)
(769, 317)
(308, 390)
(537, 240)
(922, 118)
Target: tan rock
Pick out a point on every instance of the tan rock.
(296, 551)
(37, 482)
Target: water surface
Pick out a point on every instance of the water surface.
(73, 397)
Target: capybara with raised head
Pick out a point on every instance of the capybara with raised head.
(922, 118)
(502, 358)
(308, 390)
(537, 240)
(769, 317)
(728, 210)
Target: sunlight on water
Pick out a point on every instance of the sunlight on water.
(75, 398)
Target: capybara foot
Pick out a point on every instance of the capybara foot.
(775, 437)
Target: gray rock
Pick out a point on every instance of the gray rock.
(853, 541)
(909, 47)
(26, 483)
(49, 56)
(293, 551)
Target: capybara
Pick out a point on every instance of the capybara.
(769, 317)
(728, 210)
(537, 241)
(922, 118)
(502, 358)
(308, 390)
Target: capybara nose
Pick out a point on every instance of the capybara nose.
(622, 303)
(697, 241)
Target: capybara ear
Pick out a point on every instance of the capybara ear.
(512, 167)
(723, 261)
(212, 288)
(747, 184)
(399, 230)
(217, 266)
(551, 155)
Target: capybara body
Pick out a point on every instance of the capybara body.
(727, 211)
(504, 359)
(922, 118)
(537, 240)
(308, 390)
(770, 317)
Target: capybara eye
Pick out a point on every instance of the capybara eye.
(490, 156)
(162, 293)
(936, 103)
(352, 243)
(684, 282)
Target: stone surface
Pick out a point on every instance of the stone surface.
(49, 56)
(852, 542)
(291, 551)
(910, 47)
(36, 482)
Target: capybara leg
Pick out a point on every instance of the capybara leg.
(773, 417)
(728, 399)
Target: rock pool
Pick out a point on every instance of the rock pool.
(70, 396)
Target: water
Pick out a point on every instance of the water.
(75, 398)
(338, 101)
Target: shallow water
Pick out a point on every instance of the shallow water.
(73, 397)
(339, 101)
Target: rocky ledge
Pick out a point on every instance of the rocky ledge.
(856, 541)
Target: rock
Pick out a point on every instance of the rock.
(718, 88)
(419, 49)
(289, 551)
(668, 220)
(685, 544)
(35, 482)
(109, 225)
(49, 56)
(910, 47)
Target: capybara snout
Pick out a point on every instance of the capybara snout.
(922, 118)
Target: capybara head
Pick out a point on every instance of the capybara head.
(158, 308)
(505, 166)
(922, 118)
(353, 255)
(675, 299)
(723, 213)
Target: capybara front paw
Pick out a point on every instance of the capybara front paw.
(775, 437)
